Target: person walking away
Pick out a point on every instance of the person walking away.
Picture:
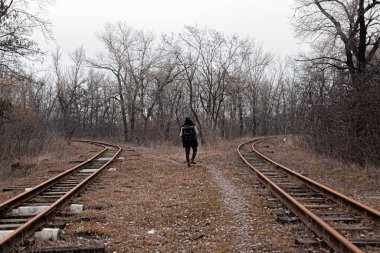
(188, 135)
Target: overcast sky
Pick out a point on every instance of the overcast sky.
(75, 22)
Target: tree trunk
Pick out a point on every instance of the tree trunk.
(123, 111)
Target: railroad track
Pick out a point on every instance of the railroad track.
(27, 212)
(344, 224)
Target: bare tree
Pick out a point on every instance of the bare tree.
(346, 36)
(188, 62)
(18, 20)
(215, 57)
(142, 58)
(254, 65)
(349, 28)
(117, 39)
(69, 90)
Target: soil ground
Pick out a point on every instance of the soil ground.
(154, 203)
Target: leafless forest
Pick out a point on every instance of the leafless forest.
(142, 85)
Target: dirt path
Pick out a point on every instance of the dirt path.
(233, 202)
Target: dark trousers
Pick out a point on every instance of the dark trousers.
(187, 151)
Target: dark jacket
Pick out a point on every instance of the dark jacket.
(193, 140)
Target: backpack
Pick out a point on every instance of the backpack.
(188, 133)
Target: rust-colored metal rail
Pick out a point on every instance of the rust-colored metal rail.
(25, 196)
(364, 209)
(330, 236)
(8, 243)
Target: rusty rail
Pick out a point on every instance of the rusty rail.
(8, 243)
(369, 211)
(330, 236)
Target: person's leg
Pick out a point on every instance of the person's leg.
(187, 152)
(195, 149)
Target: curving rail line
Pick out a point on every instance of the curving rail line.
(344, 224)
(45, 198)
